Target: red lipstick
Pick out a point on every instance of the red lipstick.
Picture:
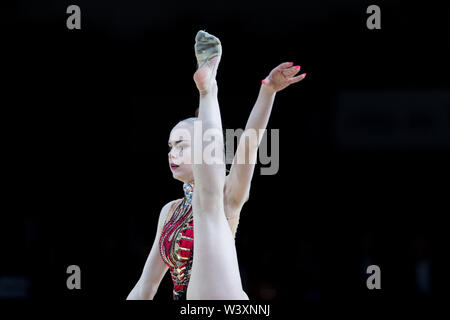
(174, 166)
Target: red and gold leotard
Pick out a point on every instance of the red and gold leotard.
(176, 243)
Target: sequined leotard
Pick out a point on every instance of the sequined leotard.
(176, 244)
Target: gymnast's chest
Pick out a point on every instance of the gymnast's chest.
(177, 241)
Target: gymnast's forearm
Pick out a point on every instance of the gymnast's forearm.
(260, 114)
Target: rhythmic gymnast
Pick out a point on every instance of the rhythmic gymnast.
(207, 268)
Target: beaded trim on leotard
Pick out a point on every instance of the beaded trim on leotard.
(176, 243)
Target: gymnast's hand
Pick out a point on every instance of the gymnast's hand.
(283, 76)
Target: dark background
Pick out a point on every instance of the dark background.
(364, 143)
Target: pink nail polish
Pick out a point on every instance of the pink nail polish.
(262, 81)
(291, 63)
(304, 75)
(298, 67)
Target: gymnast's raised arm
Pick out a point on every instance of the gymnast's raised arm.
(240, 176)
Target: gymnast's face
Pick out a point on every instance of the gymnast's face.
(180, 152)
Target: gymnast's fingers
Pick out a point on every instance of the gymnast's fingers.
(284, 65)
(297, 78)
(290, 72)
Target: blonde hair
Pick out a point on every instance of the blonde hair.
(190, 120)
